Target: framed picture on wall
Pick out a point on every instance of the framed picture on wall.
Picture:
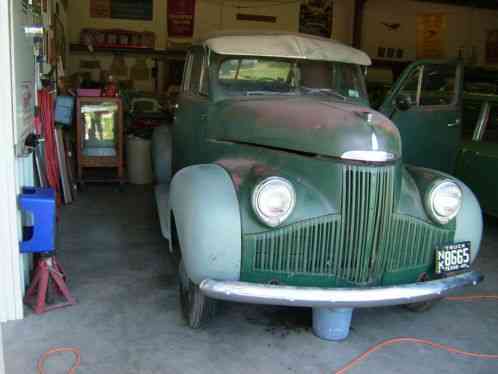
(492, 47)
(180, 15)
(315, 17)
(122, 9)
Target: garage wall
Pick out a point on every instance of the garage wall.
(210, 16)
(466, 28)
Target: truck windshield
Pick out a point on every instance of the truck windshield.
(264, 76)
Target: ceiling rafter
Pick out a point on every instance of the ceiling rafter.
(485, 4)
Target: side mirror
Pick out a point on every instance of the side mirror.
(403, 102)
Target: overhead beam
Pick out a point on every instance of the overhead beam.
(484, 4)
(359, 6)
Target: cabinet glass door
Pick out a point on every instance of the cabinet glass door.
(99, 121)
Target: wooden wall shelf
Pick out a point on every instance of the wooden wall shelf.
(173, 54)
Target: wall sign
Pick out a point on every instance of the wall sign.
(122, 9)
(315, 17)
(181, 18)
(492, 47)
(100, 8)
(431, 35)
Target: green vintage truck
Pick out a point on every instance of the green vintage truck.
(478, 155)
(288, 189)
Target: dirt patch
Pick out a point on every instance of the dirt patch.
(281, 321)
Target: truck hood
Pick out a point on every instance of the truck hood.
(306, 124)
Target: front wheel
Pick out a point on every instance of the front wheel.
(422, 306)
(197, 309)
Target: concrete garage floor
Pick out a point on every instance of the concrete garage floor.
(128, 319)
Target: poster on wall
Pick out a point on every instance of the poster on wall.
(122, 9)
(181, 18)
(100, 8)
(431, 35)
(492, 47)
(315, 17)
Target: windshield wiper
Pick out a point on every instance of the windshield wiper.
(323, 91)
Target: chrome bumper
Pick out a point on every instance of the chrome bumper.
(255, 293)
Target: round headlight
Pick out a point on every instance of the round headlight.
(273, 200)
(444, 201)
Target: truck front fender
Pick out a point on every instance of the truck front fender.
(206, 213)
(161, 154)
(469, 222)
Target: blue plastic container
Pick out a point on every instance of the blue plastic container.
(332, 323)
(40, 237)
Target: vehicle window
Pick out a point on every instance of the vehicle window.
(204, 88)
(410, 88)
(430, 85)
(251, 76)
(486, 88)
(438, 85)
(195, 73)
(186, 72)
(470, 115)
(491, 133)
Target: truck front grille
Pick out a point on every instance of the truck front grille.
(356, 246)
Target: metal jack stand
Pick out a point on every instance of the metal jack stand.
(48, 270)
(39, 238)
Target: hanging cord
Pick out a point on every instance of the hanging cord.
(51, 352)
(385, 343)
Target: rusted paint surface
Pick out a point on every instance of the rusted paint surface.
(306, 125)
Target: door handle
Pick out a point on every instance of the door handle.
(454, 124)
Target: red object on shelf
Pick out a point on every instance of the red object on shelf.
(89, 92)
(48, 269)
(110, 90)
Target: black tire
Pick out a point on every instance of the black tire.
(197, 309)
(421, 307)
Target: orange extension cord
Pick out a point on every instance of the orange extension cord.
(50, 352)
(354, 362)
(377, 347)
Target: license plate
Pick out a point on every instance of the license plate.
(453, 257)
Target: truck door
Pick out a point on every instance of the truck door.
(426, 106)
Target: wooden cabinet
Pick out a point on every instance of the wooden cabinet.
(100, 138)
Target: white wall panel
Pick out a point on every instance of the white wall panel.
(16, 105)
(10, 278)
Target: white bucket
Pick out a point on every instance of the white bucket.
(139, 163)
(332, 323)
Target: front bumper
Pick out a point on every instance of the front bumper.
(255, 293)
